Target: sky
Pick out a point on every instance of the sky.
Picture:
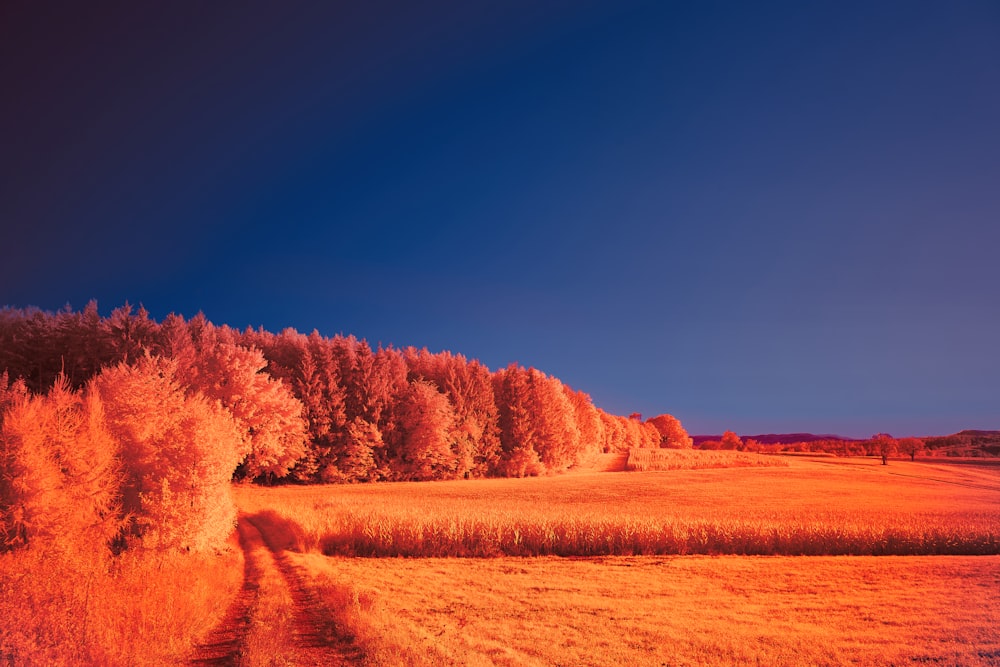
(764, 217)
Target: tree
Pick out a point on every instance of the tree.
(911, 446)
(427, 423)
(268, 414)
(884, 445)
(588, 422)
(672, 434)
(731, 441)
(354, 456)
(178, 449)
(59, 472)
(519, 458)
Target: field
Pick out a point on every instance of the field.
(811, 507)
(582, 609)
(821, 561)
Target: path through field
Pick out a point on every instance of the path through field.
(276, 619)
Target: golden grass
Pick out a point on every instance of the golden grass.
(146, 609)
(812, 508)
(690, 459)
(694, 610)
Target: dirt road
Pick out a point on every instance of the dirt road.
(276, 619)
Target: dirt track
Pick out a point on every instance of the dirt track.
(276, 619)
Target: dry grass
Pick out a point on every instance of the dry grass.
(657, 611)
(132, 610)
(690, 459)
(808, 508)
(269, 632)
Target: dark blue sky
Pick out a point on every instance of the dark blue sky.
(756, 216)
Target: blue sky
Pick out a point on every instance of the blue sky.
(765, 217)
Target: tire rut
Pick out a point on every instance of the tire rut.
(317, 639)
(312, 637)
(224, 644)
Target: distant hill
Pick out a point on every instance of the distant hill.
(775, 438)
(968, 443)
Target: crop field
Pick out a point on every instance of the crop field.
(690, 459)
(571, 604)
(811, 507)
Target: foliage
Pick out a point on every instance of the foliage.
(324, 409)
(672, 434)
(59, 473)
(178, 450)
(758, 511)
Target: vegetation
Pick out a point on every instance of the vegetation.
(654, 610)
(314, 409)
(120, 438)
(140, 608)
(647, 610)
(672, 459)
(799, 510)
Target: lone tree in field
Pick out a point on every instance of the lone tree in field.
(911, 446)
(731, 441)
(884, 444)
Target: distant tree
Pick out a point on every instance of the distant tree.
(588, 422)
(731, 441)
(519, 456)
(884, 445)
(672, 434)
(554, 422)
(11, 392)
(129, 334)
(911, 446)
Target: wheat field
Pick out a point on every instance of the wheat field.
(657, 609)
(808, 508)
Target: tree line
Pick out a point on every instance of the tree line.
(139, 418)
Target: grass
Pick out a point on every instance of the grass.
(807, 508)
(695, 610)
(654, 609)
(690, 459)
(148, 609)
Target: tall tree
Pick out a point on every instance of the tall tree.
(59, 472)
(269, 416)
(427, 447)
(179, 450)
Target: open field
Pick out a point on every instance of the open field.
(691, 459)
(655, 610)
(675, 610)
(811, 507)
(595, 591)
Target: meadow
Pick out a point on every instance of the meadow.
(821, 561)
(657, 609)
